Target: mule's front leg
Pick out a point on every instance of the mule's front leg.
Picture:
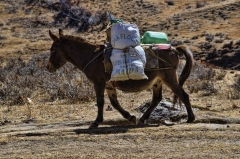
(112, 94)
(99, 89)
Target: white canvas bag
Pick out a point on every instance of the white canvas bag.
(124, 35)
(128, 65)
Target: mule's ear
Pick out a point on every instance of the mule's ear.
(60, 32)
(54, 37)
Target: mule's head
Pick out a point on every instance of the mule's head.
(56, 59)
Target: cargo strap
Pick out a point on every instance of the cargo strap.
(153, 69)
(150, 69)
(157, 69)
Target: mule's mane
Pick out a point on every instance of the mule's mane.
(73, 38)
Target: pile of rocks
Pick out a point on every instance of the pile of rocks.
(165, 111)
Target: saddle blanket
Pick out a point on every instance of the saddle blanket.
(158, 46)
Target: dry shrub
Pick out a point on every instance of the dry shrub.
(221, 74)
(71, 15)
(201, 72)
(200, 4)
(201, 79)
(21, 80)
(169, 2)
(237, 84)
(235, 94)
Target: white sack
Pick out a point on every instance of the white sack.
(129, 67)
(124, 35)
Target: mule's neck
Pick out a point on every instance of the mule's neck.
(77, 52)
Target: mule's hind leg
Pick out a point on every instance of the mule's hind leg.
(99, 89)
(183, 96)
(112, 94)
(156, 98)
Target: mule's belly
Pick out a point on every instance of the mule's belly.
(136, 85)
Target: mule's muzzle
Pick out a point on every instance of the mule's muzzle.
(50, 67)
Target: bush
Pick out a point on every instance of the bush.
(201, 79)
(71, 15)
(75, 16)
(235, 94)
(200, 72)
(169, 2)
(200, 4)
(21, 80)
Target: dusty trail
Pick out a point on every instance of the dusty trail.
(72, 141)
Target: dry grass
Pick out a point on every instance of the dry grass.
(182, 141)
(22, 80)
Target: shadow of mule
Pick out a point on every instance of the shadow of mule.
(111, 130)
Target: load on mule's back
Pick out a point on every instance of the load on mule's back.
(132, 54)
(127, 56)
(88, 57)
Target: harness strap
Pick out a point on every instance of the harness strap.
(92, 61)
(144, 69)
(156, 69)
(159, 57)
(95, 58)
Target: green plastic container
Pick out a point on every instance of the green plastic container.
(151, 37)
(116, 21)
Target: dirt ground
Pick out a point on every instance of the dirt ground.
(58, 130)
(213, 135)
(61, 131)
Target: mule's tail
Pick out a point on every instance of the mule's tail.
(187, 68)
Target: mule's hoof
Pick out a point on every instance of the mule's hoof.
(133, 119)
(140, 122)
(190, 120)
(93, 125)
(166, 122)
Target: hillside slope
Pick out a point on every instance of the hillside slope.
(209, 28)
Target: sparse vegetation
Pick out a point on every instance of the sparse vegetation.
(201, 3)
(236, 89)
(21, 80)
(201, 79)
(71, 15)
(169, 2)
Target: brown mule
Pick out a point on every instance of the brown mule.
(88, 57)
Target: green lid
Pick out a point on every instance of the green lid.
(116, 21)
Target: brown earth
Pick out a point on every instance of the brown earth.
(57, 130)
